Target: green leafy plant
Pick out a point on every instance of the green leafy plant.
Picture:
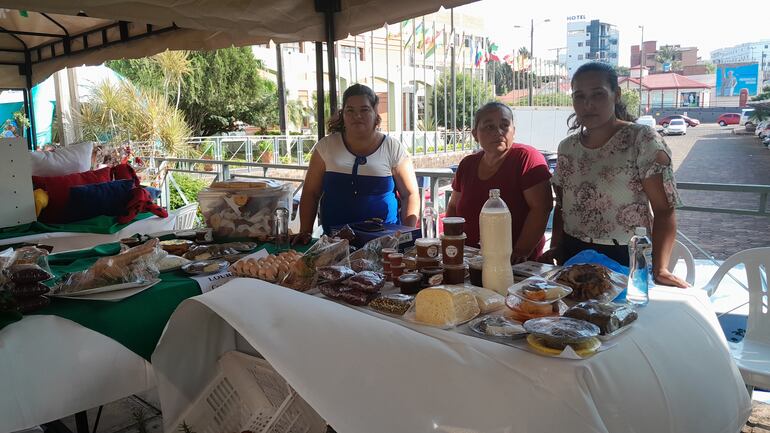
(189, 185)
(21, 119)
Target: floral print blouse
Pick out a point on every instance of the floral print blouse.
(602, 195)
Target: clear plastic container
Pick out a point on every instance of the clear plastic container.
(539, 291)
(244, 209)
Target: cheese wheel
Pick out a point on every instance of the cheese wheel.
(445, 305)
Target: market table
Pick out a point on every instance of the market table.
(670, 372)
(84, 234)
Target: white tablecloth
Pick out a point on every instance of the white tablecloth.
(68, 241)
(671, 372)
(51, 368)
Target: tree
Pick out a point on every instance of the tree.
(524, 52)
(552, 99)
(631, 99)
(710, 67)
(503, 76)
(465, 107)
(222, 87)
(174, 65)
(622, 71)
(668, 54)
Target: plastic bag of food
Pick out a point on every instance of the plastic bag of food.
(334, 273)
(368, 257)
(488, 300)
(591, 281)
(271, 268)
(337, 292)
(28, 265)
(443, 306)
(135, 265)
(395, 304)
(326, 251)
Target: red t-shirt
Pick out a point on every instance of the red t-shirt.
(523, 168)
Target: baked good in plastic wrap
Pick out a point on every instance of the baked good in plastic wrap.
(134, 265)
(443, 306)
(496, 326)
(366, 281)
(345, 294)
(591, 281)
(488, 300)
(27, 265)
(610, 318)
(243, 208)
(368, 257)
(538, 290)
(560, 331)
(32, 303)
(271, 268)
(326, 251)
(334, 273)
(395, 304)
(217, 251)
(28, 290)
(522, 310)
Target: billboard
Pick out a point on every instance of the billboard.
(732, 78)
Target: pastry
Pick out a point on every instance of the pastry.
(588, 281)
(608, 317)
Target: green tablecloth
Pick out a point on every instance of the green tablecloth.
(99, 225)
(136, 322)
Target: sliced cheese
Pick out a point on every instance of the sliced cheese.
(488, 300)
(445, 305)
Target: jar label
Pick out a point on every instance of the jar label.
(451, 251)
(432, 251)
(436, 280)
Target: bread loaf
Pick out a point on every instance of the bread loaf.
(445, 305)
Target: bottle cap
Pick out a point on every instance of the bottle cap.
(494, 192)
(641, 231)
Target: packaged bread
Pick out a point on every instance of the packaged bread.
(445, 306)
(326, 251)
(608, 317)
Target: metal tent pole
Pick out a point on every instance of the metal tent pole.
(281, 89)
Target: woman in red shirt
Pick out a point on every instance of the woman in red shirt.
(517, 170)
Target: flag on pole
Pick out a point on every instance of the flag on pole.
(491, 56)
(419, 35)
(508, 59)
(430, 45)
(405, 25)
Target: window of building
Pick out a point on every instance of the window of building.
(348, 52)
(580, 57)
(575, 33)
(580, 44)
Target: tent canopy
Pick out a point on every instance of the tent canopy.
(39, 37)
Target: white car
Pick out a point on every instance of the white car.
(676, 127)
(646, 120)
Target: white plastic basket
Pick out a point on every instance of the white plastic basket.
(248, 395)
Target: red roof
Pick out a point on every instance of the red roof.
(666, 81)
(514, 95)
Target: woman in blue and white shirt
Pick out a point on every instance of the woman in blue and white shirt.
(355, 171)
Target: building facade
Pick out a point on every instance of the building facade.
(589, 41)
(748, 52)
(685, 59)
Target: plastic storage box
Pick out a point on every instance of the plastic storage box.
(244, 209)
(248, 395)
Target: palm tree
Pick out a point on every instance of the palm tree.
(524, 52)
(174, 66)
(668, 54)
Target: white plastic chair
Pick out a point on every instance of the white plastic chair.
(185, 216)
(752, 354)
(680, 251)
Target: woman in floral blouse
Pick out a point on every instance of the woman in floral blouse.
(611, 177)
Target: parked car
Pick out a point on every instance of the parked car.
(746, 113)
(665, 121)
(676, 127)
(646, 120)
(729, 119)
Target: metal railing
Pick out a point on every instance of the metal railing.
(433, 178)
(296, 149)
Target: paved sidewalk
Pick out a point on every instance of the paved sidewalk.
(712, 154)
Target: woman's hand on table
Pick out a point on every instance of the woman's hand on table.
(666, 278)
(548, 256)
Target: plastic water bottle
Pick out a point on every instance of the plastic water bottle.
(496, 244)
(428, 221)
(281, 228)
(640, 258)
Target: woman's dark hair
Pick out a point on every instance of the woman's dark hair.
(621, 112)
(489, 106)
(336, 123)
